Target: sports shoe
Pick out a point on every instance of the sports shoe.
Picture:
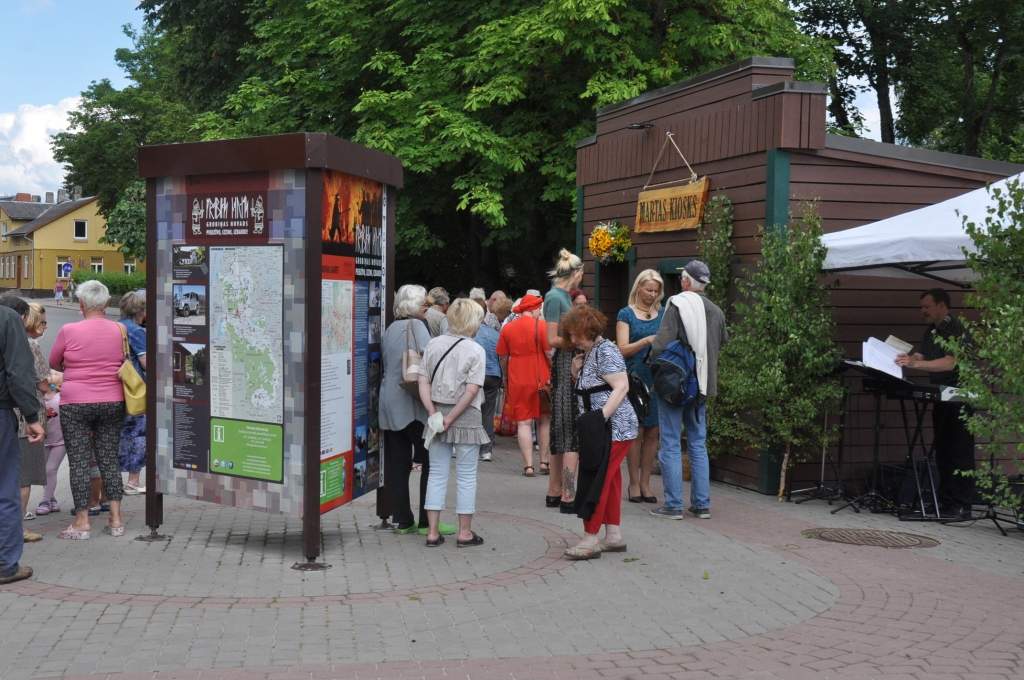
(443, 528)
(701, 513)
(29, 515)
(667, 513)
(486, 455)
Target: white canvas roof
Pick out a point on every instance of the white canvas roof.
(929, 241)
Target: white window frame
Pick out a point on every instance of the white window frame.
(25, 274)
(93, 264)
(3, 231)
(74, 230)
(131, 266)
(61, 261)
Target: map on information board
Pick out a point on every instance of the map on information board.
(246, 348)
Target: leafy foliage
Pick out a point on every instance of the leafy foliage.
(714, 240)
(118, 283)
(483, 102)
(779, 363)
(99, 148)
(956, 69)
(126, 224)
(990, 366)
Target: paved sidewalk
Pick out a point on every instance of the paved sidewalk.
(743, 595)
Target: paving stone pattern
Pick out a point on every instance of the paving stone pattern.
(742, 595)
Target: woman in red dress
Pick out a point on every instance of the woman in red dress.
(522, 350)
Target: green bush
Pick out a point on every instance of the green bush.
(991, 370)
(118, 283)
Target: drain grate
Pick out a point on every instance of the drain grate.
(873, 537)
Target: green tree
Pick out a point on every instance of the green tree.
(126, 223)
(780, 360)
(99, 150)
(990, 366)
(483, 102)
(714, 241)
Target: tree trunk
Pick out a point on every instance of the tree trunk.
(880, 79)
(782, 474)
(837, 107)
(968, 105)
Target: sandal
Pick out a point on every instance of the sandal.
(579, 552)
(476, 540)
(611, 547)
(73, 534)
(528, 471)
(116, 532)
(43, 508)
(438, 541)
(545, 469)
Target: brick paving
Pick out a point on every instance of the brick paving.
(743, 595)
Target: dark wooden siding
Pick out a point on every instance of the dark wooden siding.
(725, 127)
(849, 192)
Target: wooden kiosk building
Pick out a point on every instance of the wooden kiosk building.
(760, 137)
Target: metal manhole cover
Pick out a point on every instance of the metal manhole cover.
(873, 537)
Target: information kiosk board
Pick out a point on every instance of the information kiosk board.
(270, 262)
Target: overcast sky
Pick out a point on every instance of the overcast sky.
(53, 50)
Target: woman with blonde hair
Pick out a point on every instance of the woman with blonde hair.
(566, 275)
(635, 327)
(451, 381)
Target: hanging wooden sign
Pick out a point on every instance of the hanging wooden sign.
(672, 208)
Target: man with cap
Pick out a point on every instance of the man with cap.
(698, 323)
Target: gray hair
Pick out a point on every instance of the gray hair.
(133, 302)
(438, 296)
(93, 295)
(477, 294)
(409, 300)
(695, 285)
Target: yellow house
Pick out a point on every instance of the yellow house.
(17, 211)
(37, 253)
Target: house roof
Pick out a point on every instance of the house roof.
(24, 210)
(54, 213)
(916, 155)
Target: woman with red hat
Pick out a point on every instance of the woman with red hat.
(522, 350)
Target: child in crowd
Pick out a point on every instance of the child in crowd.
(54, 444)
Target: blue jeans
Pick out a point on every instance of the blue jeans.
(467, 456)
(12, 541)
(671, 420)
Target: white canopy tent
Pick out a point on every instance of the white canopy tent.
(927, 242)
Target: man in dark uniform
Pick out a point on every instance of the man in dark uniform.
(954, 444)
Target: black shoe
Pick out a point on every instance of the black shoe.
(552, 501)
(567, 508)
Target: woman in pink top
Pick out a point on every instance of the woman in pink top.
(90, 352)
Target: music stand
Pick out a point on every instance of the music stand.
(872, 499)
(821, 490)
